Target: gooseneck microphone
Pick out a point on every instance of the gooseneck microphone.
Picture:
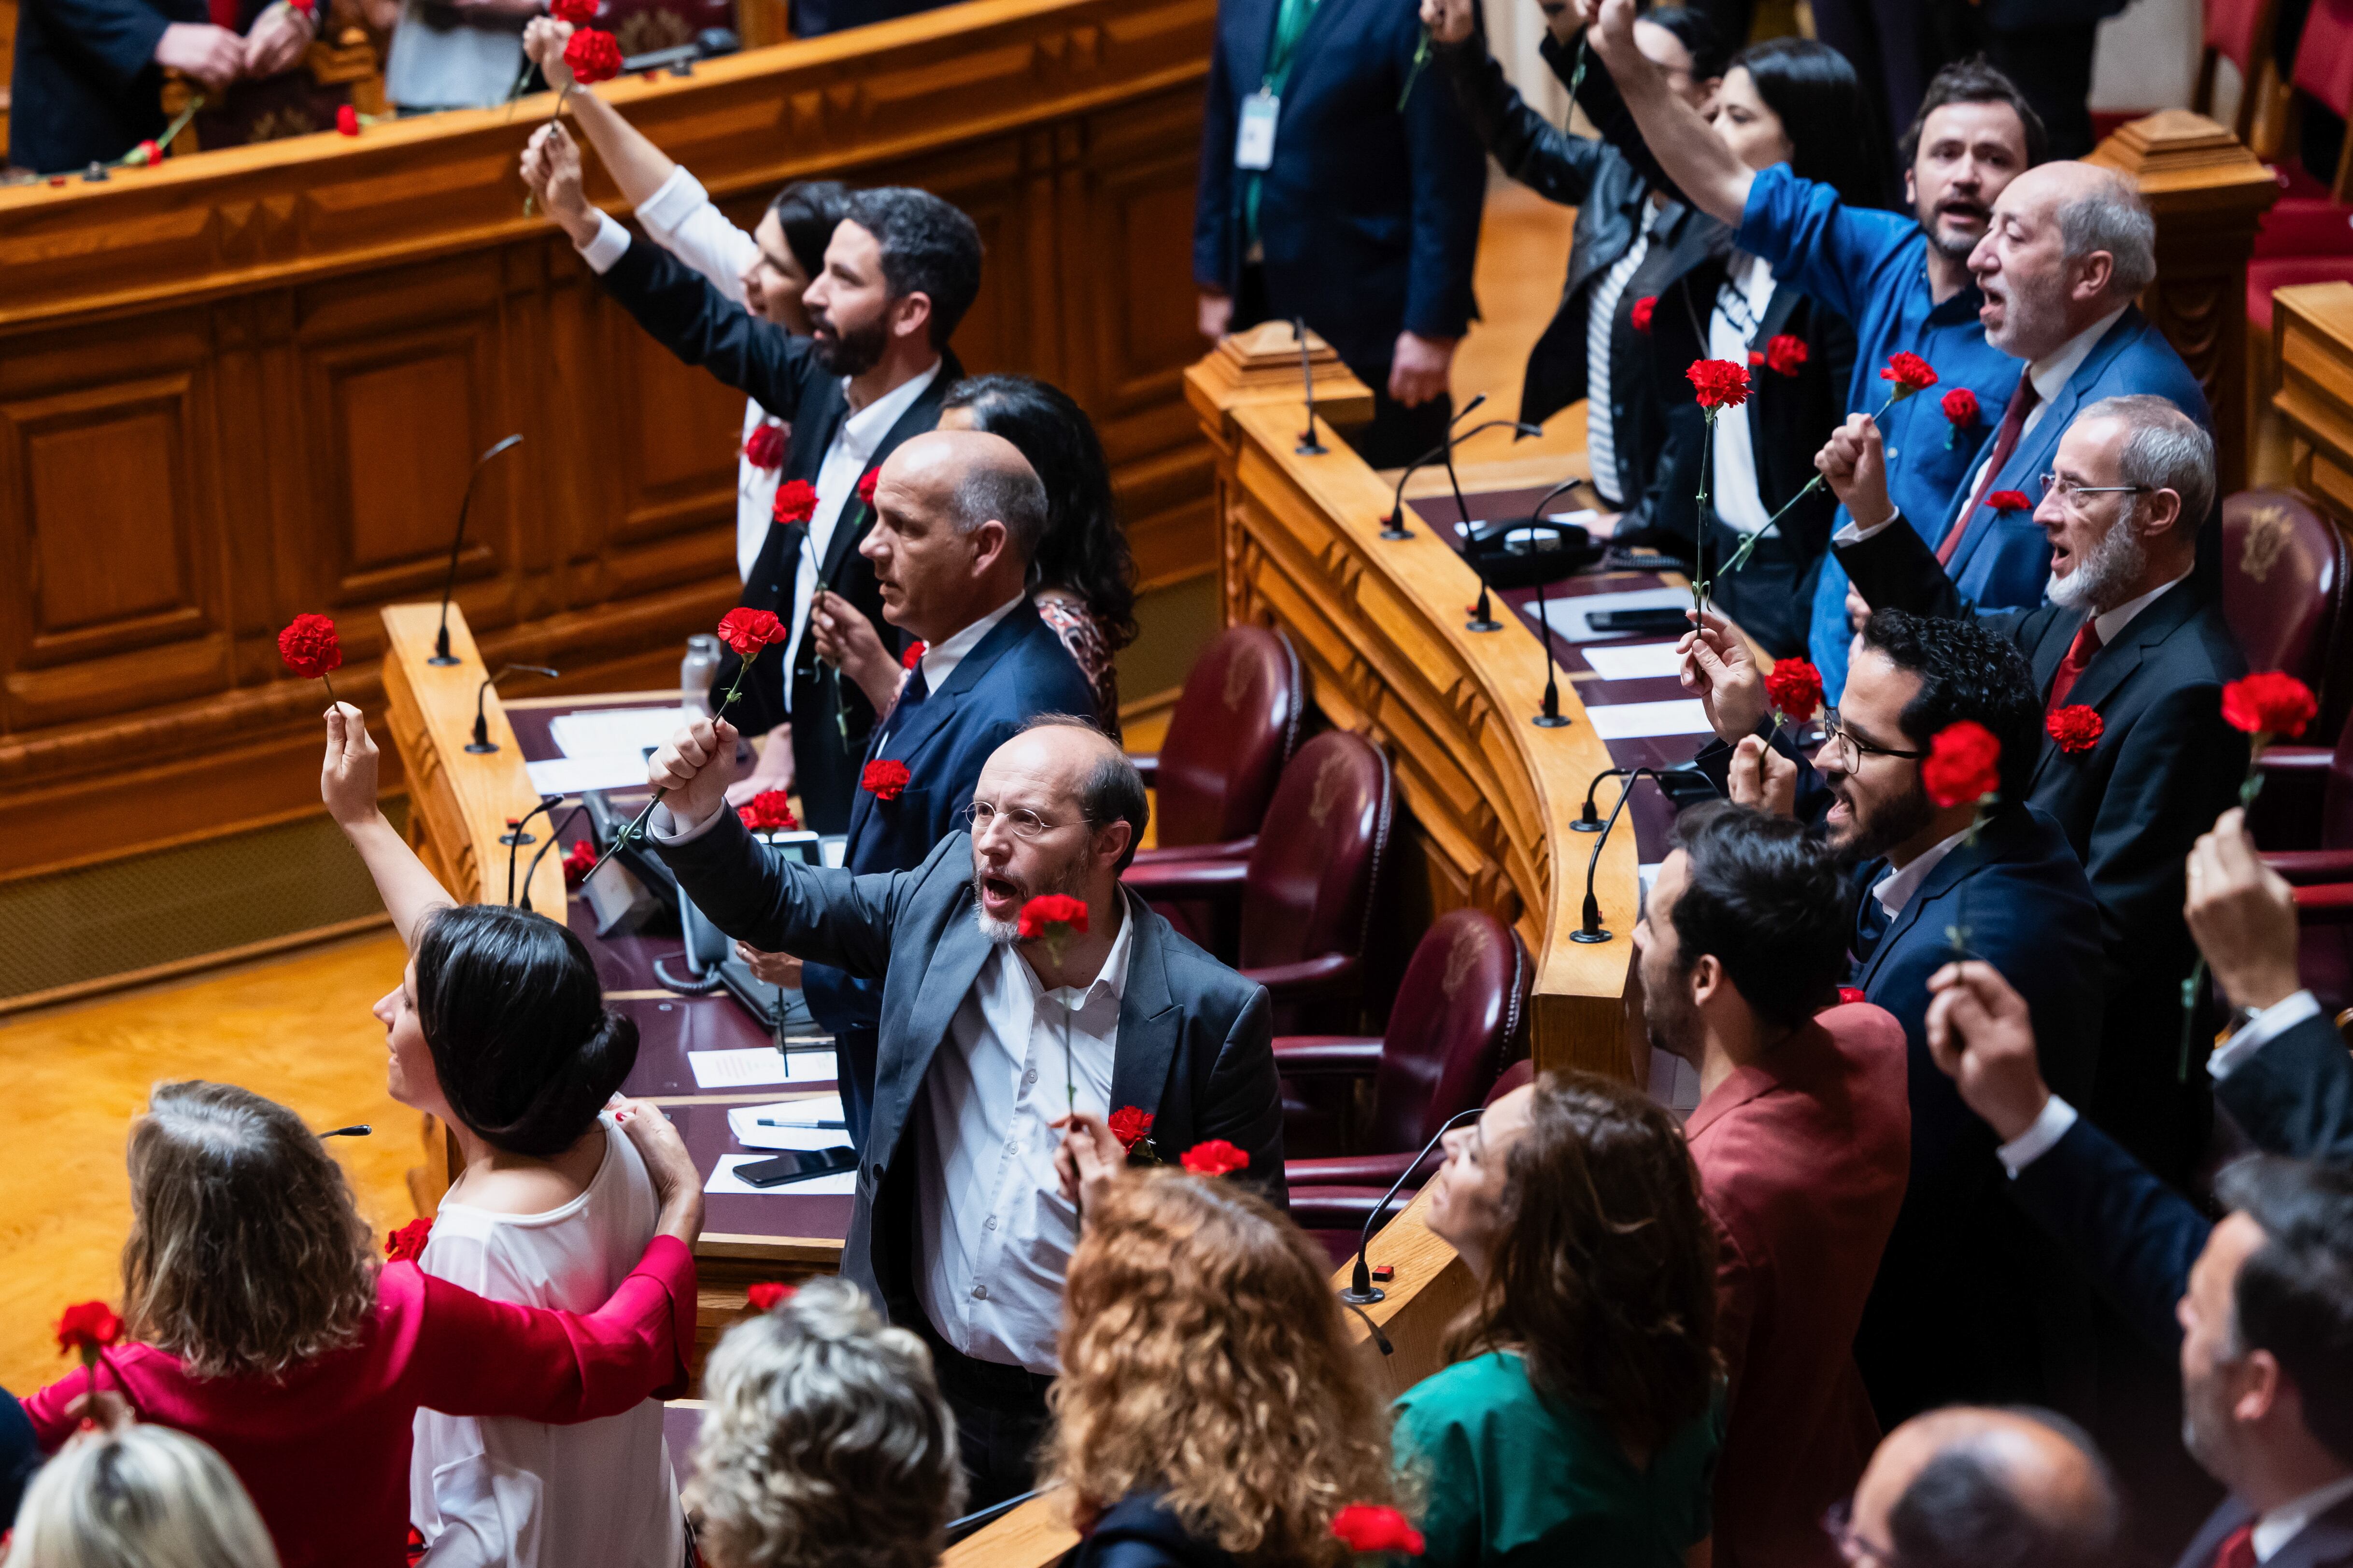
(481, 743)
(1588, 819)
(1393, 526)
(441, 653)
(1308, 446)
(515, 837)
(1592, 931)
(555, 837)
(1361, 1290)
(1550, 718)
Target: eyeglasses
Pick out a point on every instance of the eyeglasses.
(1025, 823)
(1851, 751)
(2067, 490)
(1838, 1524)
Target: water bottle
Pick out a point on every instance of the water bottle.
(696, 671)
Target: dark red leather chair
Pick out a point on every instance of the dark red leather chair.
(2284, 592)
(2323, 876)
(1305, 894)
(1236, 724)
(2239, 31)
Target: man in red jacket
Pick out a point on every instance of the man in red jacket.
(1803, 1137)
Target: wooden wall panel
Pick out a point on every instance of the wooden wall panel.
(254, 383)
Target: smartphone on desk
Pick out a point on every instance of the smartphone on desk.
(1633, 623)
(799, 1165)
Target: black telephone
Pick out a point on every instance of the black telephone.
(1522, 552)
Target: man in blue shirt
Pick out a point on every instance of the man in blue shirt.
(1904, 281)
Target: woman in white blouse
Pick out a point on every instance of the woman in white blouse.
(499, 1029)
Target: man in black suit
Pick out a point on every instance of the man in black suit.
(991, 1042)
(1972, 1304)
(2132, 631)
(900, 273)
(87, 85)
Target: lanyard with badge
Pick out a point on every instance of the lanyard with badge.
(1255, 137)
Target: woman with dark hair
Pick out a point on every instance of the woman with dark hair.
(1083, 580)
(498, 1030)
(1580, 1419)
(259, 1317)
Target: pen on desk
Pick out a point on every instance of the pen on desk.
(764, 1121)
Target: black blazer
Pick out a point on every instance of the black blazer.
(86, 88)
(2326, 1543)
(1141, 1532)
(2164, 767)
(1196, 1039)
(780, 371)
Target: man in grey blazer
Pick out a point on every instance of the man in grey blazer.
(990, 1044)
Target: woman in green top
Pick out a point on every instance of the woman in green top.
(1580, 1420)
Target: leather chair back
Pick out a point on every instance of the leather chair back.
(2336, 795)
(2235, 29)
(1309, 890)
(2324, 59)
(1236, 724)
(2283, 591)
(1519, 1075)
(1458, 1014)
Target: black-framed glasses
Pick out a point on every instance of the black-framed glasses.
(1851, 751)
(1838, 1524)
(2067, 490)
(1025, 823)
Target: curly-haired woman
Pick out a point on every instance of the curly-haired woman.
(1580, 1419)
(1210, 1409)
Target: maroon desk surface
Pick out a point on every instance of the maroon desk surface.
(790, 1225)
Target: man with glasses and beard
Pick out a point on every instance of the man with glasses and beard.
(902, 268)
(997, 1047)
(1972, 1304)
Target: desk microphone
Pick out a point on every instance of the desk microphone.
(1588, 820)
(1361, 1290)
(1308, 446)
(1592, 931)
(555, 836)
(515, 837)
(441, 653)
(481, 743)
(1393, 525)
(1550, 718)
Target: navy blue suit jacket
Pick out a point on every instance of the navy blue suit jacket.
(1369, 215)
(85, 87)
(1018, 672)
(2004, 559)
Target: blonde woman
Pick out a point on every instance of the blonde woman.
(138, 1496)
(1210, 1410)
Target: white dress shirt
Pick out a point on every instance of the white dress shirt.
(1732, 488)
(1601, 318)
(2058, 1115)
(939, 663)
(2110, 624)
(997, 1231)
(1895, 890)
(2276, 1527)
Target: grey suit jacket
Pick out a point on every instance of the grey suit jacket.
(1195, 1048)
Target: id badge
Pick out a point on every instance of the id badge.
(1254, 141)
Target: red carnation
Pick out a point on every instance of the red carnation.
(770, 811)
(914, 654)
(1849, 996)
(143, 155)
(2268, 703)
(1794, 688)
(347, 120)
(1041, 914)
(1131, 1125)
(883, 779)
(406, 1244)
(306, 9)
(1756, 360)
(796, 502)
(593, 56)
(1643, 308)
(310, 646)
(865, 486)
(2010, 500)
(1720, 383)
(1910, 373)
(2075, 727)
(764, 448)
(1215, 1158)
(747, 631)
(1373, 1527)
(87, 1328)
(1964, 764)
(578, 861)
(578, 12)
(1784, 354)
(765, 1295)
(1960, 406)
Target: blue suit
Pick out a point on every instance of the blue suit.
(2004, 559)
(1018, 672)
(1369, 215)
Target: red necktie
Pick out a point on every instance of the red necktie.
(2238, 1548)
(2004, 442)
(2079, 653)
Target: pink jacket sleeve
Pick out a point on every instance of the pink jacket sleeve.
(468, 1355)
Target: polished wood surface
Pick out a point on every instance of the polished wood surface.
(253, 382)
(2312, 333)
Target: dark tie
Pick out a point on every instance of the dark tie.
(2004, 442)
(910, 697)
(2079, 653)
(2238, 1548)
(1870, 918)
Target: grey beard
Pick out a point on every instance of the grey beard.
(2115, 565)
(1070, 880)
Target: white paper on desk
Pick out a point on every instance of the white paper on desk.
(1633, 720)
(724, 1179)
(1635, 662)
(597, 732)
(576, 776)
(1566, 616)
(755, 1065)
(801, 1115)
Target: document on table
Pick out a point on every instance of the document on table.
(596, 732)
(801, 1119)
(1635, 662)
(755, 1065)
(724, 1179)
(1633, 720)
(577, 775)
(1566, 617)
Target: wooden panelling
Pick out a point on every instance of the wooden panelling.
(254, 383)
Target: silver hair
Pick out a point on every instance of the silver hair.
(1011, 495)
(827, 1444)
(140, 1497)
(2167, 450)
(2111, 217)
